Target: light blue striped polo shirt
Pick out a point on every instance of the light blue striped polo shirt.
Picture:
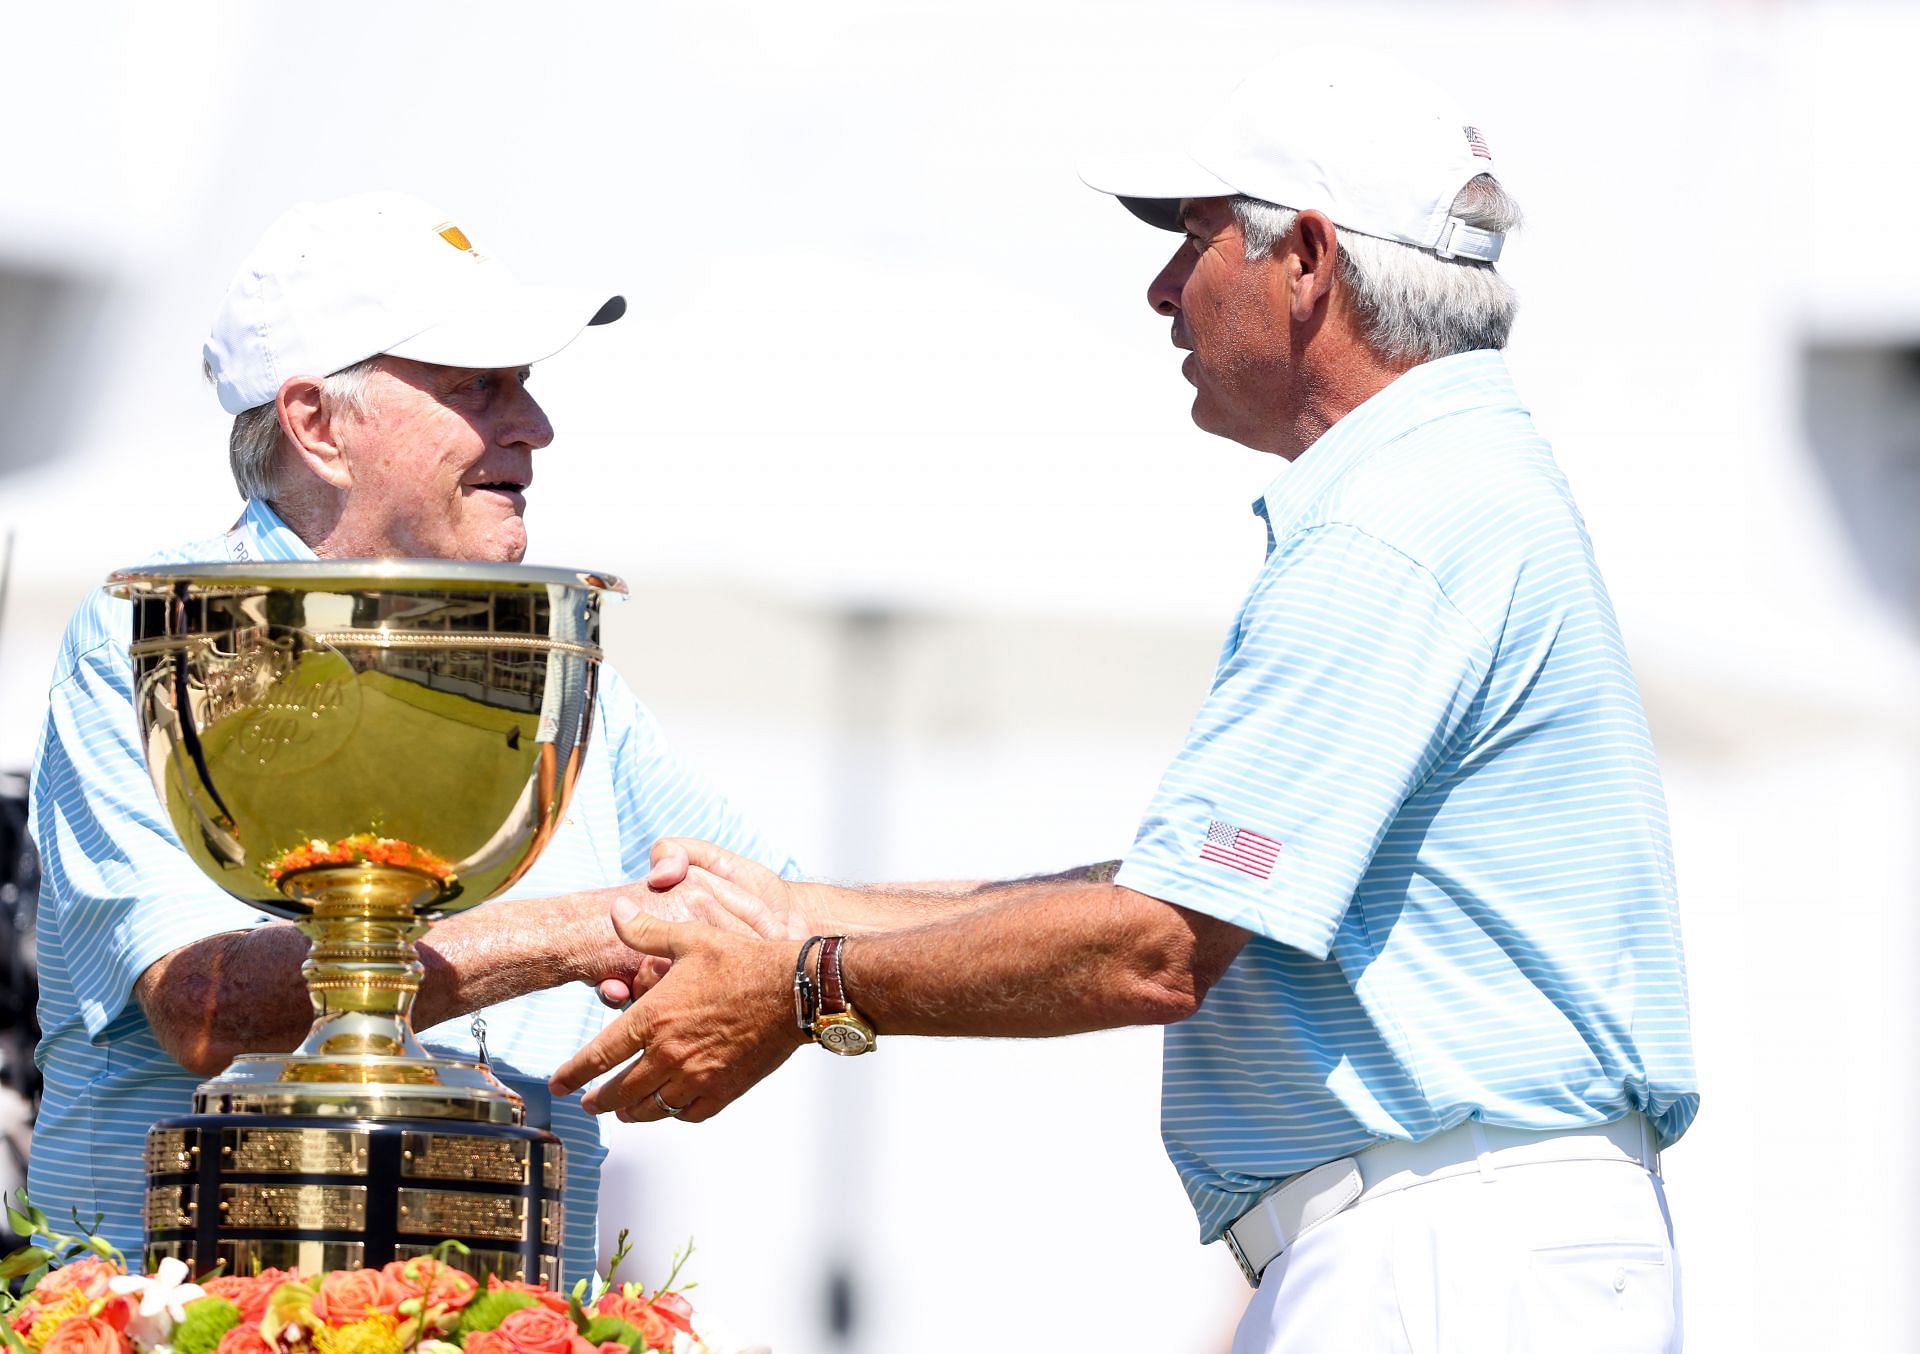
(117, 893)
(1422, 778)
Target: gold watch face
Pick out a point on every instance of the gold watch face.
(845, 1034)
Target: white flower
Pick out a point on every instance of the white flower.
(436, 1347)
(163, 1301)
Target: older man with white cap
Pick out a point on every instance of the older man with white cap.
(1405, 899)
(376, 365)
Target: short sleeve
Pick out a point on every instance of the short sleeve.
(660, 795)
(1348, 675)
(121, 890)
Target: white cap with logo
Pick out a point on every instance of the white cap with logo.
(1351, 133)
(333, 283)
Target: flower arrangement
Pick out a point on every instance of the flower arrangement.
(358, 848)
(76, 1296)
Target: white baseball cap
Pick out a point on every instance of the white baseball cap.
(334, 283)
(1351, 133)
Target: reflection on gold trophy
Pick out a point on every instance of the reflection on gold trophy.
(361, 747)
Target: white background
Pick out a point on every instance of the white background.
(886, 357)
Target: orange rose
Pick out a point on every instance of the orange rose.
(641, 1315)
(676, 1309)
(244, 1339)
(537, 1330)
(86, 1335)
(350, 1295)
(552, 1301)
(486, 1342)
(249, 1292)
(438, 1284)
(88, 1276)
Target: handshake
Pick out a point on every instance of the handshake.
(737, 967)
(706, 1007)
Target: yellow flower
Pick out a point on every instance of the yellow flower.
(53, 1315)
(375, 1335)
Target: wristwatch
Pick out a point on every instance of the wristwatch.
(837, 1027)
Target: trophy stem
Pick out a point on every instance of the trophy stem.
(363, 970)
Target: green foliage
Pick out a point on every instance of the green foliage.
(604, 1328)
(449, 1248)
(489, 1309)
(14, 1342)
(25, 1261)
(207, 1319)
(680, 1258)
(621, 1250)
(29, 1265)
(26, 1218)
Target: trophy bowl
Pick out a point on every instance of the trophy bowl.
(360, 747)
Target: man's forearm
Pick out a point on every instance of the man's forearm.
(1048, 959)
(228, 994)
(504, 950)
(1041, 957)
(242, 992)
(834, 909)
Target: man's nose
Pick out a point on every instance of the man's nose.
(526, 423)
(1163, 294)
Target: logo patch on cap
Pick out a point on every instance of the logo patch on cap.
(1477, 143)
(457, 237)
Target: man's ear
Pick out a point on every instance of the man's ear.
(1316, 247)
(308, 425)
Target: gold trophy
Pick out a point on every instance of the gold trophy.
(361, 747)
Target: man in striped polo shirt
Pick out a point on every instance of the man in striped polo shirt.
(1405, 899)
(376, 368)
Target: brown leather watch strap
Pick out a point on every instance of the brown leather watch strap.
(833, 987)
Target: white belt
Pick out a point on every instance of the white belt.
(1302, 1202)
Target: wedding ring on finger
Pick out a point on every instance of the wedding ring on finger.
(671, 1111)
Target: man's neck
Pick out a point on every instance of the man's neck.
(1330, 390)
(316, 519)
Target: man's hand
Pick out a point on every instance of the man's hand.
(680, 890)
(719, 1021)
(618, 973)
(718, 884)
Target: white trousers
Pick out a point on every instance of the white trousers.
(1551, 1258)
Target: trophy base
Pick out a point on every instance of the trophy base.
(326, 1190)
(360, 1087)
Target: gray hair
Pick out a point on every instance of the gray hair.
(1413, 304)
(254, 444)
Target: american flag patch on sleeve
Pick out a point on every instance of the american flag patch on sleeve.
(1239, 849)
